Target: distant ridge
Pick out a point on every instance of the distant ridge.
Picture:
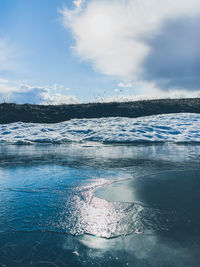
(10, 112)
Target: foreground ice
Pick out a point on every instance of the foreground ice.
(93, 204)
(182, 127)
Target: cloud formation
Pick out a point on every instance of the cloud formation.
(11, 92)
(138, 40)
(126, 85)
(174, 61)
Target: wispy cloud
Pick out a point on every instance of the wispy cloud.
(159, 95)
(59, 99)
(120, 38)
(58, 88)
(3, 81)
(7, 55)
(126, 85)
(78, 3)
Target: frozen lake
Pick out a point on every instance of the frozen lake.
(90, 204)
(95, 203)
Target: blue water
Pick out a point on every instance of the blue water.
(92, 204)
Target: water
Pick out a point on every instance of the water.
(89, 203)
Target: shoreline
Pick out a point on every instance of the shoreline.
(11, 112)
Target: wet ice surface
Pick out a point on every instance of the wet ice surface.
(50, 249)
(159, 128)
(172, 196)
(94, 204)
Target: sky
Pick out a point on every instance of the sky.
(63, 51)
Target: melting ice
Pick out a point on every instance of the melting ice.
(182, 127)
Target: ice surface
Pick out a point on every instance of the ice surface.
(182, 127)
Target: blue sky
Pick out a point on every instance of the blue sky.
(80, 49)
(34, 30)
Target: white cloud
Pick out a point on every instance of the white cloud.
(159, 95)
(22, 93)
(124, 85)
(6, 87)
(58, 88)
(78, 3)
(60, 99)
(3, 81)
(146, 91)
(114, 35)
(13, 92)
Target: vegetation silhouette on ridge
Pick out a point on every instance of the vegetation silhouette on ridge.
(11, 112)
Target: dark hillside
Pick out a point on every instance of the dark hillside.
(52, 113)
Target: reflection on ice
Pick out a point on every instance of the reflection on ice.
(149, 249)
(100, 218)
(96, 242)
(128, 243)
(172, 197)
(45, 190)
(120, 191)
(52, 187)
(53, 249)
